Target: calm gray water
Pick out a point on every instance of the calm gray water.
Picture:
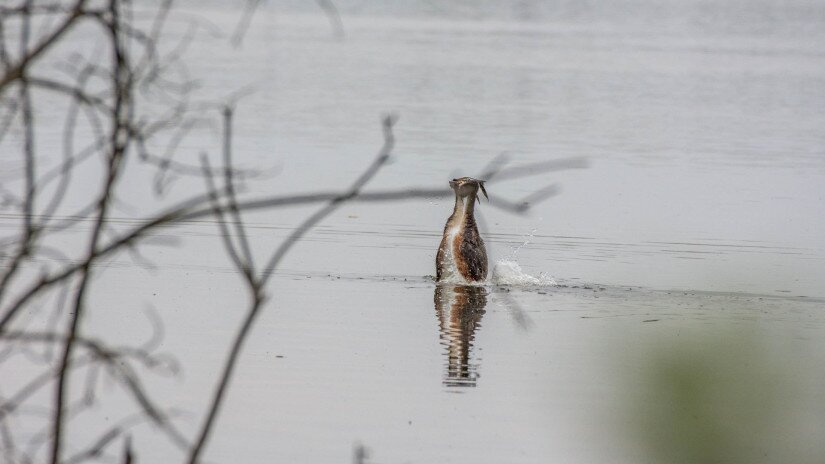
(704, 140)
(700, 216)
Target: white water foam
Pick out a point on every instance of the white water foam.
(505, 272)
(508, 272)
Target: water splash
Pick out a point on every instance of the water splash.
(508, 272)
(527, 240)
(505, 272)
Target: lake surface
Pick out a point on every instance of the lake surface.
(700, 215)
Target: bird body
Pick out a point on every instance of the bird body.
(462, 255)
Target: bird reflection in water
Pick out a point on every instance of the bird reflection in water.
(459, 309)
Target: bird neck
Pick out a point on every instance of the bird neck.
(464, 206)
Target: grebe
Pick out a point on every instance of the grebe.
(462, 254)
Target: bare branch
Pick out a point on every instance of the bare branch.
(541, 167)
(112, 358)
(75, 92)
(230, 190)
(226, 236)
(243, 24)
(68, 145)
(335, 203)
(119, 143)
(334, 16)
(257, 284)
(97, 448)
(16, 71)
(29, 229)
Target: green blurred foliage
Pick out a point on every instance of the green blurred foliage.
(729, 395)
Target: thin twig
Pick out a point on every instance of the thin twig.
(243, 24)
(334, 17)
(540, 167)
(30, 192)
(256, 285)
(118, 146)
(226, 235)
(15, 71)
(230, 190)
(335, 203)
